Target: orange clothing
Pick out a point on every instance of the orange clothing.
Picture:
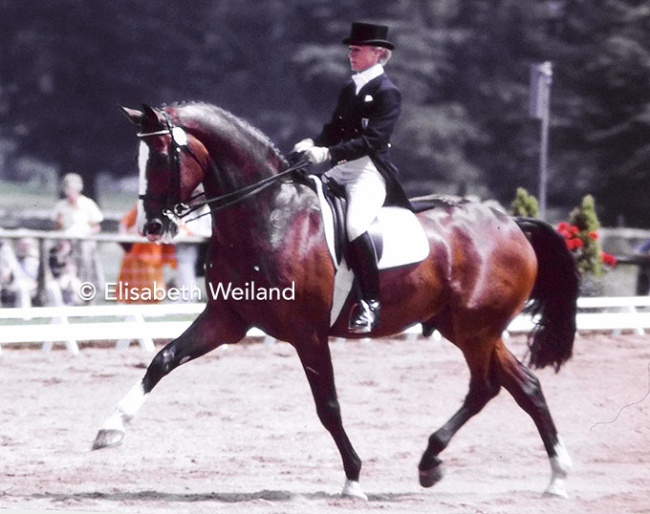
(141, 278)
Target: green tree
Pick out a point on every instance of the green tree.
(462, 65)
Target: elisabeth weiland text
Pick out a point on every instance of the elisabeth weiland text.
(123, 292)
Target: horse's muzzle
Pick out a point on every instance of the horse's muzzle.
(154, 229)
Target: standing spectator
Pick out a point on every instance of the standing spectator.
(142, 266)
(78, 215)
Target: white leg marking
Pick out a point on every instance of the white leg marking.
(352, 489)
(126, 409)
(560, 466)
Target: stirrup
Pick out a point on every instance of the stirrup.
(364, 317)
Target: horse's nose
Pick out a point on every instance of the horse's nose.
(153, 228)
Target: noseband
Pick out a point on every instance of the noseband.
(176, 210)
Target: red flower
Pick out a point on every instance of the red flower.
(567, 231)
(593, 235)
(608, 259)
(563, 227)
(574, 243)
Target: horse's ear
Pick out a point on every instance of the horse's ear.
(151, 116)
(136, 117)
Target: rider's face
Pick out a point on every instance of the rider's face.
(363, 57)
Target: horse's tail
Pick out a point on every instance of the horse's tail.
(554, 297)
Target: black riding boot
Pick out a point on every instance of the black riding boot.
(365, 314)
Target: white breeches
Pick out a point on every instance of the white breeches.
(365, 190)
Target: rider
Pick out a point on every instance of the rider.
(356, 141)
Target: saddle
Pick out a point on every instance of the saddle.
(396, 234)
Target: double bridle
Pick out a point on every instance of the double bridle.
(175, 209)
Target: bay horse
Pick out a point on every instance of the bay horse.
(483, 268)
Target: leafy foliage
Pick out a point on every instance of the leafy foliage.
(463, 67)
(524, 204)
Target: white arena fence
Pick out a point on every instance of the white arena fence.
(144, 323)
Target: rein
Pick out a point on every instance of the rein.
(234, 197)
(176, 210)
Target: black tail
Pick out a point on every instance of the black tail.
(554, 296)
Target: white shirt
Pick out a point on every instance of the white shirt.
(78, 219)
(363, 77)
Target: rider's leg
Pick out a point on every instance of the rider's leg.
(362, 260)
(366, 196)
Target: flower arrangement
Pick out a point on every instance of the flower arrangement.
(580, 234)
(581, 244)
(581, 237)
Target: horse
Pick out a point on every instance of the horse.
(482, 269)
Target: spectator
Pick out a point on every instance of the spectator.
(64, 274)
(78, 215)
(19, 274)
(17, 286)
(141, 273)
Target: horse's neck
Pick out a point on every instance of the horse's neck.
(246, 213)
(240, 160)
(262, 222)
(237, 164)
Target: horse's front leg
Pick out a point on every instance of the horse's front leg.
(210, 330)
(317, 363)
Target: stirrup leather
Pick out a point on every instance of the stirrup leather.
(364, 317)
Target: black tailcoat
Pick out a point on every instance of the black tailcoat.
(362, 125)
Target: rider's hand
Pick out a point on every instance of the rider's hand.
(303, 146)
(317, 154)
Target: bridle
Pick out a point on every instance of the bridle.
(175, 210)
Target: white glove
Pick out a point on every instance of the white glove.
(303, 146)
(318, 154)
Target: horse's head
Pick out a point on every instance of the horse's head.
(172, 164)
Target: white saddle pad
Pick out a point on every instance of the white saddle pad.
(404, 242)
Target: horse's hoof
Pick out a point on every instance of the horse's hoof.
(352, 489)
(556, 491)
(430, 477)
(108, 438)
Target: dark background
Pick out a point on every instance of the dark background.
(463, 67)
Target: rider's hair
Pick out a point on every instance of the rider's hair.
(384, 54)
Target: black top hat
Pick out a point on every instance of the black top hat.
(368, 34)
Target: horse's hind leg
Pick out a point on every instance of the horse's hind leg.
(525, 388)
(206, 333)
(317, 363)
(483, 387)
